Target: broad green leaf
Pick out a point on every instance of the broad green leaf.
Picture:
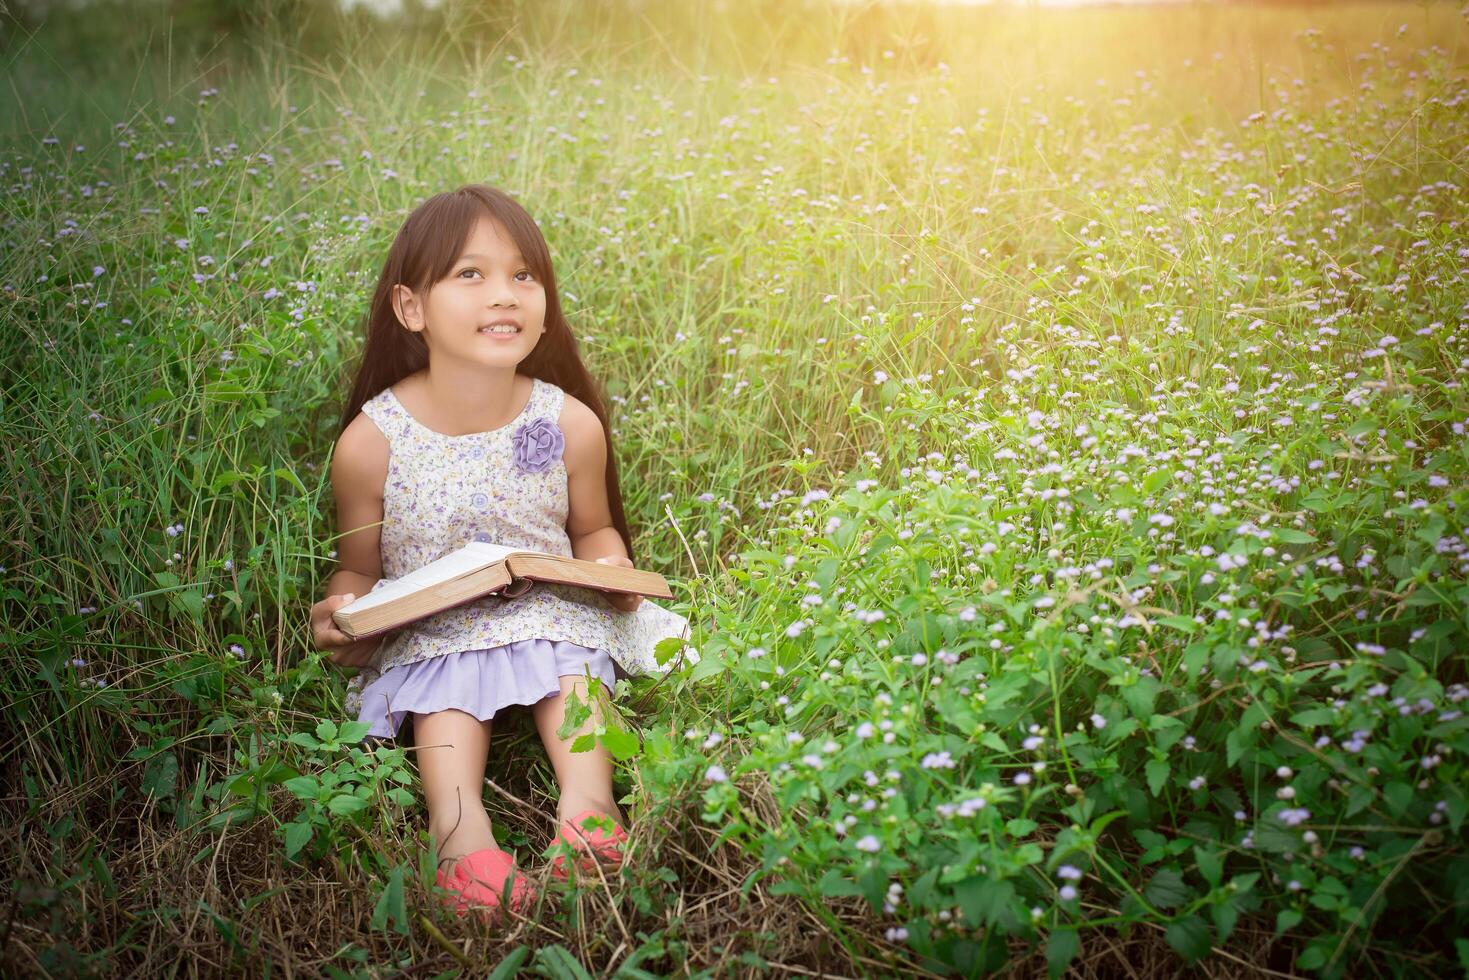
(983, 898)
(1062, 946)
(306, 787)
(298, 834)
(1190, 938)
(622, 743)
(1211, 864)
(1158, 771)
(353, 732)
(1166, 890)
(345, 804)
(391, 905)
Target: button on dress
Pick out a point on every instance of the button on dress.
(507, 486)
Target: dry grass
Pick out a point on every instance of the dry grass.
(186, 904)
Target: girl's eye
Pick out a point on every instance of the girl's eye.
(526, 272)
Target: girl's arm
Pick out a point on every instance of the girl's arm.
(358, 471)
(589, 514)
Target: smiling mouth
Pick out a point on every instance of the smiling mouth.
(499, 331)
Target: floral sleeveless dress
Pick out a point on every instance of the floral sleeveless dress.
(507, 486)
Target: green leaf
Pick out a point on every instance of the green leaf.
(1236, 743)
(306, 787)
(1183, 623)
(160, 776)
(509, 967)
(345, 804)
(1359, 799)
(1100, 824)
(1226, 914)
(559, 963)
(1167, 890)
(326, 730)
(1211, 864)
(298, 834)
(290, 477)
(353, 731)
(1312, 717)
(1399, 797)
(1288, 535)
(390, 905)
(1158, 771)
(1021, 827)
(1139, 696)
(1285, 920)
(983, 899)
(706, 667)
(1313, 957)
(664, 649)
(225, 391)
(584, 743)
(226, 478)
(1061, 948)
(1190, 938)
(1156, 480)
(833, 885)
(622, 743)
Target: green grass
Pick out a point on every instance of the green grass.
(1053, 422)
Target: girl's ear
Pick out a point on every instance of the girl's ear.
(407, 308)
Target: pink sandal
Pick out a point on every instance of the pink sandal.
(478, 881)
(589, 837)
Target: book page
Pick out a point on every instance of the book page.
(470, 558)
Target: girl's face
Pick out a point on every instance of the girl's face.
(490, 283)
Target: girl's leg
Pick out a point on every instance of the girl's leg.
(452, 746)
(585, 778)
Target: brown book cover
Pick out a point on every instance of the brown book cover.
(477, 570)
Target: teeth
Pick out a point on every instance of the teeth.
(499, 330)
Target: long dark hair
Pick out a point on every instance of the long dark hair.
(424, 253)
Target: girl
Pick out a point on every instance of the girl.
(472, 418)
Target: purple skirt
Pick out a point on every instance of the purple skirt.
(480, 682)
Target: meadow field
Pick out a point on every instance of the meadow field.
(1052, 420)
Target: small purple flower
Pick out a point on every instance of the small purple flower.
(537, 445)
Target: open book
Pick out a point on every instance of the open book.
(479, 569)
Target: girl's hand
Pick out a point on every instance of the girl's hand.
(342, 650)
(324, 633)
(621, 600)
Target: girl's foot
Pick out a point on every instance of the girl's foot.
(593, 838)
(478, 880)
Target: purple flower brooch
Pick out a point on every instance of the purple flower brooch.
(537, 445)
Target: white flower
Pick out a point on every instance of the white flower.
(870, 844)
(716, 774)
